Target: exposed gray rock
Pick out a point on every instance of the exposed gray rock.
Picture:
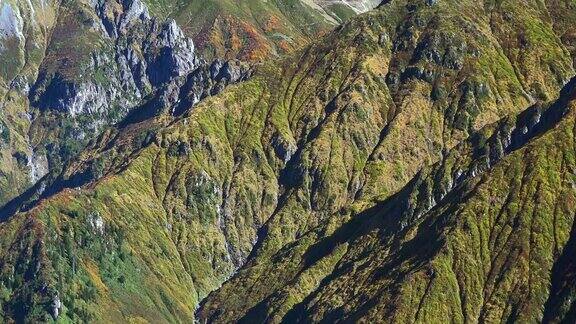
(38, 165)
(144, 57)
(283, 148)
(142, 68)
(176, 58)
(20, 84)
(133, 10)
(11, 23)
(357, 6)
(210, 80)
(172, 36)
(141, 55)
(56, 305)
(96, 222)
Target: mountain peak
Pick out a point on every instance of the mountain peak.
(287, 161)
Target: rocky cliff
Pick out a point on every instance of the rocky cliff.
(67, 91)
(415, 164)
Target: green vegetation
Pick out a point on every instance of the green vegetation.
(330, 182)
(251, 30)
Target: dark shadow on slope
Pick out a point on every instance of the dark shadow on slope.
(205, 81)
(409, 257)
(292, 175)
(387, 216)
(359, 225)
(561, 304)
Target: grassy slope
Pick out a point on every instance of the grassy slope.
(19, 61)
(251, 30)
(393, 162)
(484, 253)
(209, 182)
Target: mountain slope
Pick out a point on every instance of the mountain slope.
(56, 93)
(256, 30)
(270, 168)
(271, 299)
(472, 238)
(64, 93)
(19, 59)
(490, 243)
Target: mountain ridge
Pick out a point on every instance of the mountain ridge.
(274, 199)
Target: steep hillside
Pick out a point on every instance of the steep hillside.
(289, 177)
(57, 93)
(474, 237)
(256, 30)
(62, 93)
(24, 33)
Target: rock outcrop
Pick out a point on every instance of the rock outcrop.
(130, 61)
(414, 164)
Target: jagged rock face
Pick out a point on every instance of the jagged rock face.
(112, 68)
(24, 29)
(121, 60)
(141, 55)
(353, 180)
(38, 164)
(462, 254)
